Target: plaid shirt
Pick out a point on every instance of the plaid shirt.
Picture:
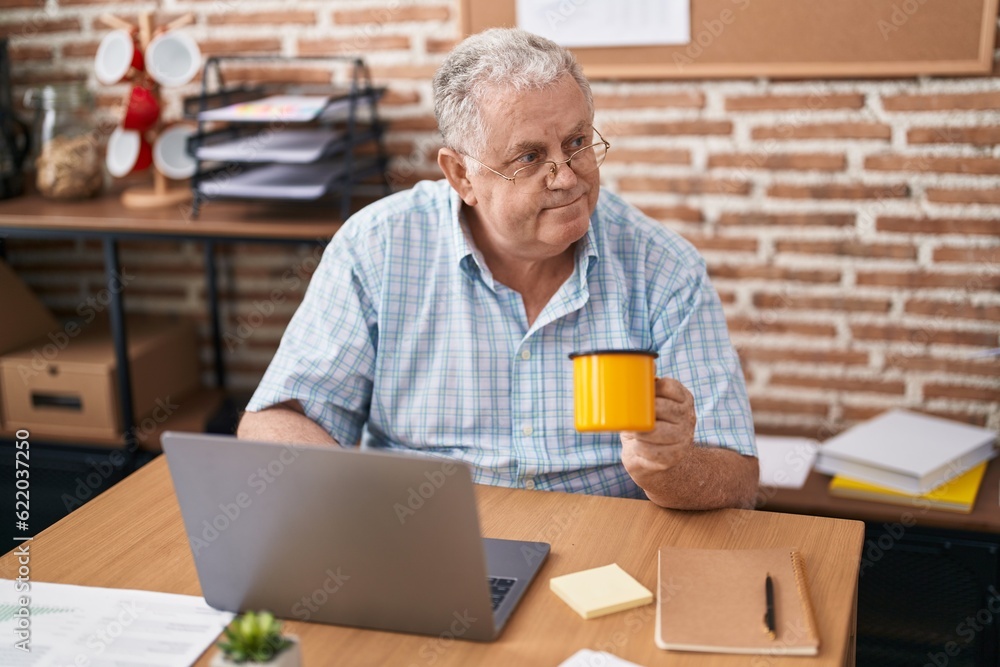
(404, 334)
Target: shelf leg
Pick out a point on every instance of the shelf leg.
(345, 205)
(212, 287)
(116, 312)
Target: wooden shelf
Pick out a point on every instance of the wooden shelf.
(192, 413)
(106, 214)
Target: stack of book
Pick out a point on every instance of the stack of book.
(908, 458)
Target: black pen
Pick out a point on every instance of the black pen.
(769, 625)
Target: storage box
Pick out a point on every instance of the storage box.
(25, 317)
(72, 389)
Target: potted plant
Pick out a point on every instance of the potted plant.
(256, 639)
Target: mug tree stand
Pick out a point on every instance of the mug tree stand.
(160, 195)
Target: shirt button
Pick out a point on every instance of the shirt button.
(529, 484)
(525, 354)
(527, 430)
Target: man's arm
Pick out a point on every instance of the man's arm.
(676, 473)
(286, 423)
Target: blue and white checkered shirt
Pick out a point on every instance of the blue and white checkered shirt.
(405, 334)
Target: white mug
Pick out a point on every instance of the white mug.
(170, 152)
(173, 59)
(115, 56)
(128, 151)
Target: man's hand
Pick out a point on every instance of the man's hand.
(676, 473)
(649, 454)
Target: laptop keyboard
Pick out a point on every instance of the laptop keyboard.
(499, 588)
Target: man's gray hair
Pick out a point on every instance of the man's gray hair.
(495, 61)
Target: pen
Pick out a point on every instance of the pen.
(769, 625)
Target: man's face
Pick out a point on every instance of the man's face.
(532, 126)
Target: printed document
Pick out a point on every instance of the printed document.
(785, 461)
(106, 627)
(583, 23)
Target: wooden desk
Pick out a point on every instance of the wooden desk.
(108, 542)
(814, 498)
(953, 557)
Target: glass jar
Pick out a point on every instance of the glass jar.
(68, 162)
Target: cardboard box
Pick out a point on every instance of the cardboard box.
(25, 317)
(72, 389)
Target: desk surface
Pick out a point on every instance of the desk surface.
(132, 537)
(224, 219)
(814, 498)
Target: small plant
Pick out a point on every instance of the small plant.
(253, 637)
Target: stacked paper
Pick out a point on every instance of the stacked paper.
(600, 591)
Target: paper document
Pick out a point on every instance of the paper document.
(573, 23)
(290, 146)
(587, 658)
(106, 627)
(288, 108)
(276, 181)
(785, 461)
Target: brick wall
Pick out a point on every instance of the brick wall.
(851, 227)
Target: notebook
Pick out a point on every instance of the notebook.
(906, 451)
(713, 601)
(956, 495)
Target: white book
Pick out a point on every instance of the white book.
(906, 451)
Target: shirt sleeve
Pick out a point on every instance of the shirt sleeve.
(326, 358)
(695, 349)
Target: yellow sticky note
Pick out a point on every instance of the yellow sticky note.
(600, 591)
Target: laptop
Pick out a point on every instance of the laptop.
(353, 537)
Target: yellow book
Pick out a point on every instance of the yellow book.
(956, 495)
(600, 591)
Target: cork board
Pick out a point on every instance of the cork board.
(794, 39)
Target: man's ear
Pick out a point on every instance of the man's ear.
(453, 166)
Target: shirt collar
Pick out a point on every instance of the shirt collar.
(586, 252)
(471, 260)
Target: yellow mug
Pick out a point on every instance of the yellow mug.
(614, 390)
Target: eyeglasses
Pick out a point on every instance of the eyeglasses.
(539, 176)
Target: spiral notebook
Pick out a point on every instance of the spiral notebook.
(713, 601)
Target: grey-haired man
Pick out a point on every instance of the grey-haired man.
(440, 319)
